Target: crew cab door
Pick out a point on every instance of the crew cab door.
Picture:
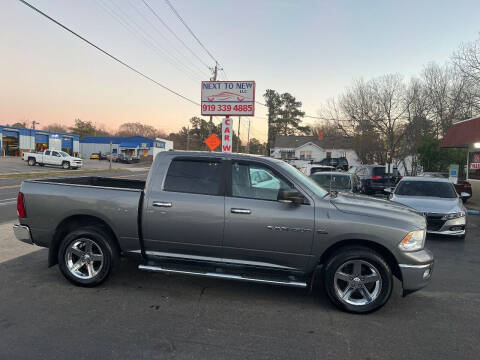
(55, 158)
(184, 213)
(259, 229)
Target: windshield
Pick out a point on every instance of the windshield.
(64, 154)
(303, 179)
(337, 182)
(426, 188)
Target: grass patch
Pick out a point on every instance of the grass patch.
(57, 173)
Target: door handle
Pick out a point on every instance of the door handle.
(240, 211)
(162, 204)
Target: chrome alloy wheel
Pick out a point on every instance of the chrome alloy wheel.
(84, 258)
(357, 282)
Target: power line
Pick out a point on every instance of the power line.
(194, 66)
(142, 37)
(169, 56)
(173, 33)
(107, 53)
(190, 30)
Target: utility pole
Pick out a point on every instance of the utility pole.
(110, 165)
(248, 138)
(238, 135)
(34, 123)
(214, 78)
(188, 136)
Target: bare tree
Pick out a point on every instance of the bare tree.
(56, 128)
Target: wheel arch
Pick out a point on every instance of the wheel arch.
(380, 249)
(76, 221)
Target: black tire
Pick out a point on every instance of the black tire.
(31, 162)
(41, 164)
(109, 250)
(66, 165)
(366, 256)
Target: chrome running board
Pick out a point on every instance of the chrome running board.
(222, 276)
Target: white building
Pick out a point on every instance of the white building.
(299, 149)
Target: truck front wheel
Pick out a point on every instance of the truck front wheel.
(87, 256)
(66, 165)
(358, 280)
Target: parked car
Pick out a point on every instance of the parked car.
(126, 158)
(374, 178)
(437, 199)
(94, 156)
(337, 181)
(53, 157)
(462, 186)
(104, 156)
(201, 214)
(336, 163)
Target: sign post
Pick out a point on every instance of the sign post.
(228, 98)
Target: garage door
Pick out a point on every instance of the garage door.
(67, 145)
(6, 133)
(42, 139)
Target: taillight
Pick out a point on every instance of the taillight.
(21, 212)
(375, 178)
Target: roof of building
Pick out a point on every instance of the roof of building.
(33, 132)
(132, 142)
(462, 133)
(294, 142)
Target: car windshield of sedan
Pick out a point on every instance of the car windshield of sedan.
(336, 182)
(426, 188)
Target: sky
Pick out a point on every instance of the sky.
(312, 49)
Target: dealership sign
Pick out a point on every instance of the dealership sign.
(234, 98)
(474, 161)
(227, 135)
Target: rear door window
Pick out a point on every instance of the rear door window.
(378, 171)
(195, 177)
(47, 152)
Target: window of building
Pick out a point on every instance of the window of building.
(197, 177)
(474, 165)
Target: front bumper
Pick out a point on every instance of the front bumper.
(22, 233)
(453, 227)
(417, 274)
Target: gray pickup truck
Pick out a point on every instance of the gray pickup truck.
(202, 214)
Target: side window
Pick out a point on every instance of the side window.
(257, 182)
(47, 152)
(54, 153)
(195, 177)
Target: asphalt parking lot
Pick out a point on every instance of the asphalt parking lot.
(152, 316)
(12, 165)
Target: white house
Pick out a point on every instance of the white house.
(298, 149)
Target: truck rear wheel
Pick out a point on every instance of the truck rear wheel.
(31, 162)
(87, 256)
(358, 280)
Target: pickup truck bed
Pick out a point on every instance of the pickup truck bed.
(97, 181)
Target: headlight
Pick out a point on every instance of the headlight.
(454, 215)
(414, 241)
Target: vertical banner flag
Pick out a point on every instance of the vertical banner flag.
(227, 135)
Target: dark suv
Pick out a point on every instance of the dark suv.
(374, 178)
(337, 163)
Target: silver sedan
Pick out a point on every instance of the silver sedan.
(437, 199)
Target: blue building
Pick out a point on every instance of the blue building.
(137, 146)
(15, 141)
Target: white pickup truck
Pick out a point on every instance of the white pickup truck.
(53, 157)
